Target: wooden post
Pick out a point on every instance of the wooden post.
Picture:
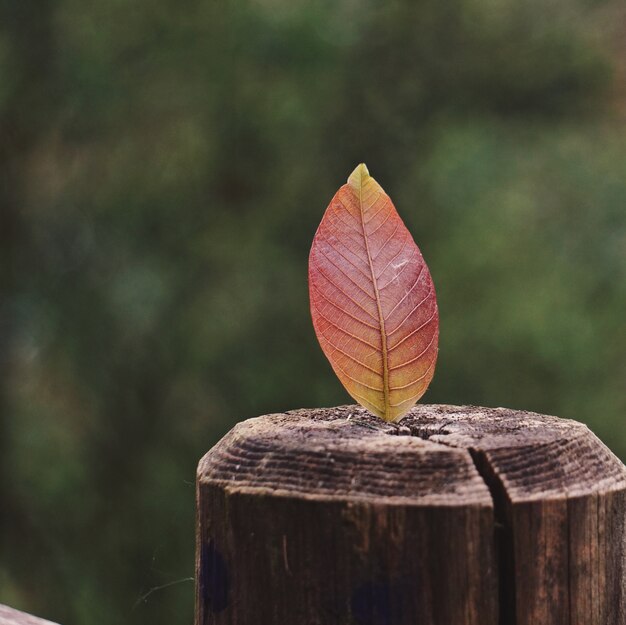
(457, 516)
(9, 616)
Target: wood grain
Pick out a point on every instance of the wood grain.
(458, 515)
(561, 495)
(9, 616)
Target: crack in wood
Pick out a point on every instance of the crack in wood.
(493, 506)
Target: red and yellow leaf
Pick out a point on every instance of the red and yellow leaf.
(373, 301)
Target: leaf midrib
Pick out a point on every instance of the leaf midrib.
(381, 318)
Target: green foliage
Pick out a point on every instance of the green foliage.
(164, 167)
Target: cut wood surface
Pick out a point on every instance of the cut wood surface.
(455, 516)
(9, 616)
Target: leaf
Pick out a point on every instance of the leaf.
(373, 301)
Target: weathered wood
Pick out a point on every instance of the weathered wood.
(9, 616)
(560, 494)
(458, 516)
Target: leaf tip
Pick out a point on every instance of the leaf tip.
(358, 176)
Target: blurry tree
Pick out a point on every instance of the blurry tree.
(163, 169)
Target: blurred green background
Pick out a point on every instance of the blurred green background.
(163, 168)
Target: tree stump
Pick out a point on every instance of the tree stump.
(456, 516)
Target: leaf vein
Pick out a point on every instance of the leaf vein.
(341, 271)
(335, 249)
(345, 208)
(358, 362)
(408, 262)
(408, 362)
(366, 402)
(412, 311)
(345, 312)
(360, 306)
(380, 225)
(332, 323)
(414, 331)
(414, 397)
(348, 227)
(376, 213)
(384, 245)
(334, 231)
(417, 279)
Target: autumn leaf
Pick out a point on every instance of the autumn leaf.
(373, 301)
